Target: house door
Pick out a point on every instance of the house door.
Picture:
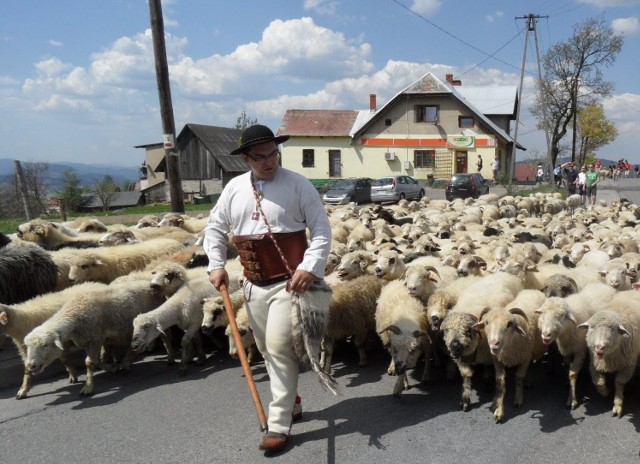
(461, 161)
(335, 163)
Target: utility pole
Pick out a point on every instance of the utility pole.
(166, 107)
(23, 190)
(531, 27)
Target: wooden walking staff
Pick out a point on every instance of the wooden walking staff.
(262, 418)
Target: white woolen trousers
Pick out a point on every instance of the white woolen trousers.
(269, 310)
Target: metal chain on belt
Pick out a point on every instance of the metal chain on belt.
(269, 233)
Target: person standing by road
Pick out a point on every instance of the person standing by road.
(495, 167)
(479, 163)
(539, 174)
(268, 205)
(582, 183)
(593, 178)
(572, 177)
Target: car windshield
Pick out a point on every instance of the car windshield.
(382, 182)
(344, 184)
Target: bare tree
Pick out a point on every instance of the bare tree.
(573, 78)
(106, 190)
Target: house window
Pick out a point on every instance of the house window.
(424, 158)
(308, 158)
(466, 121)
(427, 113)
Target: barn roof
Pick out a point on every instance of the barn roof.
(121, 200)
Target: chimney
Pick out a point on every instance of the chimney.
(372, 102)
(450, 80)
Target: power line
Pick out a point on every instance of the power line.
(454, 36)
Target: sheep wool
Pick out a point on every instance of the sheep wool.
(310, 318)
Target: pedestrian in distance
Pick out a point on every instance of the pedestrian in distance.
(571, 174)
(495, 167)
(582, 183)
(269, 210)
(539, 174)
(479, 163)
(593, 178)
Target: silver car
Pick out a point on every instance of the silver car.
(396, 188)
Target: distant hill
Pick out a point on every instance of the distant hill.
(87, 173)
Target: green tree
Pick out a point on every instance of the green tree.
(243, 121)
(594, 131)
(573, 78)
(106, 190)
(71, 191)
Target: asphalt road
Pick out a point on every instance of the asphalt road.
(151, 415)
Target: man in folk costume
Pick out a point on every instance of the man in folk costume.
(268, 210)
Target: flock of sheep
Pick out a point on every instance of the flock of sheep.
(499, 282)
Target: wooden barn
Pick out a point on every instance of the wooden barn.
(204, 162)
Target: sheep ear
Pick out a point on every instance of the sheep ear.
(584, 325)
(392, 328)
(520, 330)
(4, 318)
(572, 318)
(478, 325)
(58, 342)
(159, 329)
(622, 331)
(421, 333)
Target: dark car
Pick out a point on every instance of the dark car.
(396, 188)
(467, 185)
(357, 190)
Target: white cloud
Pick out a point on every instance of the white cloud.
(55, 43)
(493, 17)
(51, 67)
(294, 51)
(8, 80)
(626, 26)
(609, 3)
(326, 7)
(426, 7)
(624, 111)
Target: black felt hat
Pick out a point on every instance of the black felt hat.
(256, 135)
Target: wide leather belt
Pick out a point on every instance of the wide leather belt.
(260, 259)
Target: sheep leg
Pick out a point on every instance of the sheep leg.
(574, 369)
(402, 383)
(622, 377)
(87, 389)
(185, 354)
(26, 385)
(327, 354)
(426, 350)
(391, 370)
(466, 372)
(599, 380)
(521, 374)
(362, 354)
(168, 346)
(197, 342)
(498, 399)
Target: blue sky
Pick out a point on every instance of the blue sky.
(77, 81)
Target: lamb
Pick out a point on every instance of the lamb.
(390, 265)
(351, 314)
(25, 271)
(572, 202)
(18, 320)
(104, 265)
(184, 310)
(557, 322)
(148, 220)
(511, 335)
(182, 221)
(613, 339)
(402, 326)
(356, 263)
(246, 335)
(461, 336)
(91, 320)
(559, 285)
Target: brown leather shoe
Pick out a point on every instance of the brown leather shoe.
(273, 442)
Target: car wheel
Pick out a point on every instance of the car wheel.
(420, 194)
(353, 199)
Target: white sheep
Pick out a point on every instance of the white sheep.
(613, 339)
(183, 310)
(246, 335)
(511, 335)
(91, 320)
(18, 320)
(558, 319)
(106, 264)
(462, 339)
(402, 326)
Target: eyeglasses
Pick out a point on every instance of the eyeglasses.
(262, 158)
